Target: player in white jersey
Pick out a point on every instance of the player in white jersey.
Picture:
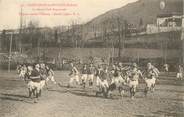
(180, 73)
(74, 75)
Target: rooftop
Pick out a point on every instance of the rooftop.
(169, 14)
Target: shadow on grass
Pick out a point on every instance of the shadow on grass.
(77, 90)
(59, 91)
(170, 90)
(86, 94)
(14, 97)
(168, 114)
(90, 92)
(174, 100)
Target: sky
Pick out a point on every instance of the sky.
(54, 12)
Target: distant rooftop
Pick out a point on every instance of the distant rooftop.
(169, 14)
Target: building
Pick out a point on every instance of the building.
(165, 23)
(169, 20)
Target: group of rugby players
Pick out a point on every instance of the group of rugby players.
(106, 74)
(36, 72)
(101, 75)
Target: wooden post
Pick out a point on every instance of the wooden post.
(124, 33)
(20, 31)
(182, 38)
(9, 61)
(119, 38)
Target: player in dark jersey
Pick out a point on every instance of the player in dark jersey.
(91, 72)
(84, 76)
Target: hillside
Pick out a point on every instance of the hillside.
(145, 10)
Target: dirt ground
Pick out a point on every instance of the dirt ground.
(60, 101)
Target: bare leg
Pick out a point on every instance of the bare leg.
(30, 92)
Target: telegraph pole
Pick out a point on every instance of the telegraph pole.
(163, 45)
(10, 56)
(119, 39)
(124, 31)
(182, 38)
(20, 31)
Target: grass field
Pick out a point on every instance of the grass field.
(60, 101)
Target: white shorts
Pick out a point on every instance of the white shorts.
(22, 74)
(179, 75)
(117, 80)
(150, 82)
(166, 69)
(104, 83)
(74, 77)
(51, 78)
(36, 85)
(90, 77)
(84, 77)
(133, 83)
(98, 81)
(101, 83)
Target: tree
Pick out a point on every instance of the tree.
(140, 22)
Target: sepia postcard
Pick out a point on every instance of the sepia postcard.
(91, 58)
